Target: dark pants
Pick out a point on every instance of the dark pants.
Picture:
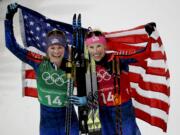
(52, 121)
(108, 117)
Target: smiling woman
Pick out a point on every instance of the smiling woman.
(51, 78)
(115, 106)
(56, 44)
(96, 44)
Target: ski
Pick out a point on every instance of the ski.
(86, 81)
(70, 83)
(80, 76)
(70, 88)
(94, 126)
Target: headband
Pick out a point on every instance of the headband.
(55, 39)
(95, 39)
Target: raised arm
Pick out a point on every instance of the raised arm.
(143, 53)
(22, 53)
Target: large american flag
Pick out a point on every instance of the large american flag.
(149, 78)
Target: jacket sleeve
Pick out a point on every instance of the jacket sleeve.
(139, 55)
(23, 54)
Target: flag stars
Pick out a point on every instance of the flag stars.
(29, 39)
(25, 17)
(37, 28)
(43, 43)
(66, 32)
(31, 23)
(48, 25)
(37, 38)
(31, 32)
(44, 34)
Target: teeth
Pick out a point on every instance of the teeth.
(96, 55)
(57, 56)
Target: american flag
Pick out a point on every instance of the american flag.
(149, 78)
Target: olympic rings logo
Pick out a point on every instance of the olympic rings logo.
(54, 78)
(103, 75)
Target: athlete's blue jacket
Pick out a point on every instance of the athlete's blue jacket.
(52, 119)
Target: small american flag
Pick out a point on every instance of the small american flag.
(149, 78)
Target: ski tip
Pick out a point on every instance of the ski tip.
(79, 16)
(74, 16)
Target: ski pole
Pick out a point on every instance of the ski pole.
(117, 97)
(69, 91)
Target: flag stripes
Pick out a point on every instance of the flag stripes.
(149, 78)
